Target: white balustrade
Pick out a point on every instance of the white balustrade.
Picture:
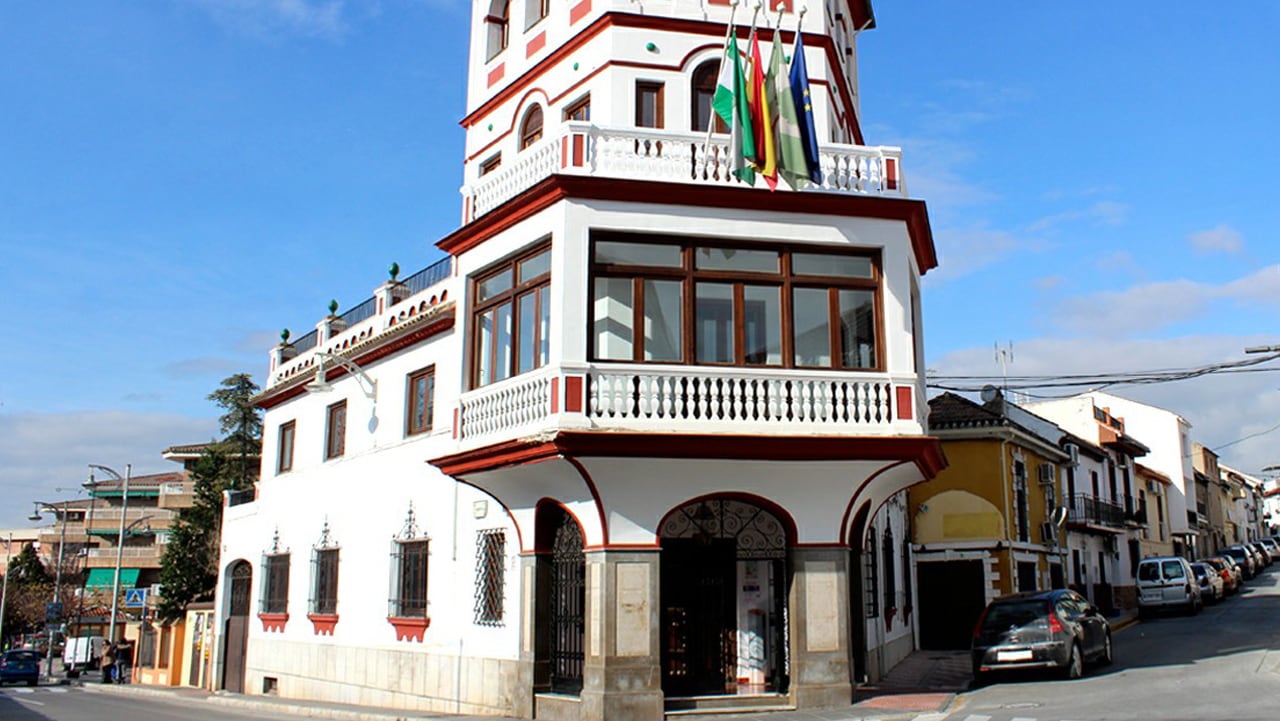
(736, 397)
(506, 406)
(647, 154)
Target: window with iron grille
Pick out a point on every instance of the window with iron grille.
(490, 576)
(409, 578)
(324, 586)
(870, 596)
(275, 583)
(890, 579)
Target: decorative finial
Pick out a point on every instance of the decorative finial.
(333, 307)
(394, 270)
(284, 335)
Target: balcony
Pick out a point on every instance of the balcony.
(583, 149)
(132, 557)
(177, 495)
(1093, 511)
(702, 399)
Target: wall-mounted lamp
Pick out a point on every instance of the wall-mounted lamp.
(320, 385)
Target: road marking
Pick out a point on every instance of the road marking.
(976, 717)
(1022, 718)
(57, 689)
(936, 716)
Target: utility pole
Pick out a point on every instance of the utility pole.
(4, 594)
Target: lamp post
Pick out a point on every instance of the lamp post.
(57, 582)
(124, 508)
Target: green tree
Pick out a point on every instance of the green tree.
(30, 588)
(189, 566)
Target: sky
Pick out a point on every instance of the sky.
(181, 179)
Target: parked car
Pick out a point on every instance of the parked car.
(1167, 582)
(1272, 546)
(1209, 580)
(1047, 630)
(1230, 572)
(1243, 559)
(20, 664)
(1264, 556)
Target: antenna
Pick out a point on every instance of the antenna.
(1004, 356)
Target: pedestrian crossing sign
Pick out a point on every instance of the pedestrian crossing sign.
(135, 598)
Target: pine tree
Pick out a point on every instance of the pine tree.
(189, 567)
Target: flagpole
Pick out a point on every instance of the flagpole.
(711, 115)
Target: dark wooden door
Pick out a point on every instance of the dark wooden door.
(951, 600)
(236, 630)
(699, 616)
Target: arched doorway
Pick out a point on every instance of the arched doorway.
(724, 594)
(235, 637)
(562, 576)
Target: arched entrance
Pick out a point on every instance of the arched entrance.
(235, 637)
(724, 593)
(562, 572)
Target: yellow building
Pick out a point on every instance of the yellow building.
(988, 525)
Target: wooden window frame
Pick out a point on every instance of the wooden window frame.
(535, 12)
(498, 28)
(286, 436)
(410, 427)
(643, 86)
(784, 279)
(519, 289)
(335, 430)
(697, 87)
(490, 164)
(580, 106)
(531, 136)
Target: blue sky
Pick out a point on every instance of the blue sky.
(180, 179)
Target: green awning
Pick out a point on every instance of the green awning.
(106, 577)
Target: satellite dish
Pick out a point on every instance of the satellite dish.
(989, 393)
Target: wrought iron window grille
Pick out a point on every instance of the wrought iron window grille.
(490, 576)
(410, 556)
(275, 577)
(324, 574)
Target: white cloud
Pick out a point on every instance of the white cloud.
(1220, 239)
(1222, 407)
(1103, 212)
(267, 18)
(1119, 260)
(964, 250)
(46, 451)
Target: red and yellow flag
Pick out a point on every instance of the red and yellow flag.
(766, 160)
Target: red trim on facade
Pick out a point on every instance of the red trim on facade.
(270, 399)
(456, 419)
(924, 451)
(891, 173)
(579, 150)
(537, 43)
(323, 623)
(573, 394)
(555, 394)
(409, 629)
(274, 621)
(557, 187)
(595, 495)
(542, 544)
(496, 74)
(510, 516)
(905, 398)
(660, 24)
(579, 11)
(624, 547)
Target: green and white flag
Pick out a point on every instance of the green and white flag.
(791, 159)
(730, 103)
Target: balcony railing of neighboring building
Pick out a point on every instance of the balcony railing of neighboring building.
(1086, 509)
(674, 398)
(139, 557)
(646, 154)
(416, 296)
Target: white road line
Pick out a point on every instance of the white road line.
(24, 690)
(57, 689)
(976, 717)
(935, 716)
(1022, 718)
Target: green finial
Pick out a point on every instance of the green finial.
(650, 47)
(394, 270)
(491, 127)
(333, 307)
(284, 336)
(575, 66)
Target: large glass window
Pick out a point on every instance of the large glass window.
(512, 318)
(695, 302)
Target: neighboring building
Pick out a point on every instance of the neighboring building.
(987, 525)
(1153, 508)
(1248, 510)
(639, 445)
(12, 541)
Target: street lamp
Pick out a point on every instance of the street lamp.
(124, 508)
(57, 582)
(322, 385)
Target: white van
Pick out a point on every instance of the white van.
(82, 653)
(1167, 582)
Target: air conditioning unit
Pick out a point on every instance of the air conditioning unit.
(1074, 451)
(1049, 533)
(1047, 473)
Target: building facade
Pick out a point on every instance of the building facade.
(639, 443)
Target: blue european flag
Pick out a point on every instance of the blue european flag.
(799, 78)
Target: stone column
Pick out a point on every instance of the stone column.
(524, 685)
(622, 678)
(820, 674)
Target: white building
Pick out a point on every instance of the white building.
(639, 444)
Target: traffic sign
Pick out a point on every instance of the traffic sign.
(135, 598)
(52, 611)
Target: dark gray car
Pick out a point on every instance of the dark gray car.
(1046, 630)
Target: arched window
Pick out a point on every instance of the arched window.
(499, 21)
(531, 127)
(704, 89)
(535, 11)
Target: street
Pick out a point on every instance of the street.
(1222, 664)
(77, 703)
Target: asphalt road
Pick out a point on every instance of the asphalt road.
(73, 703)
(1222, 665)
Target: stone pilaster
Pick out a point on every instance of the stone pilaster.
(820, 675)
(622, 678)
